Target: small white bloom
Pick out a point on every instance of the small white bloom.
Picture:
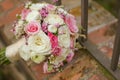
(33, 15)
(52, 28)
(60, 10)
(62, 57)
(28, 4)
(37, 6)
(64, 39)
(54, 19)
(37, 58)
(20, 22)
(12, 50)
(24, 52)
(40, 43)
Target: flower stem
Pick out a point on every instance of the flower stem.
(3, 58)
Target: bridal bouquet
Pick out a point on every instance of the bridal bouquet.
(46, 33)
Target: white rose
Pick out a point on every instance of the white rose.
(12, 50)
(37, 58)
(64, 39)
(24, 52)
(37, 6)
(33, 15)
(52, 28)
(40, 43)
(54, 19)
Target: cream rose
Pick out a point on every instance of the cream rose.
(24, 52)
(40, 43)
(54, 19)
(33, 15)
(64, 38)
(37, 6)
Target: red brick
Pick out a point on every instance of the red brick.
(95, 77)
(7, 4)
(107, 51)
(99, 36)
(1, 9)
(11, 16)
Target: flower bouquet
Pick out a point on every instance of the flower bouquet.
(46, 33)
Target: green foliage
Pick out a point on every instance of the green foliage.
(3, 58)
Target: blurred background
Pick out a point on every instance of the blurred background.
(102, 27)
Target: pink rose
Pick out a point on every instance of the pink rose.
(56, 50)
(70, 56)
(32, 28)
(71, 23)
(25, 13)
(53, 40)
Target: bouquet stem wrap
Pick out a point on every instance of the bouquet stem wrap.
(3, 59)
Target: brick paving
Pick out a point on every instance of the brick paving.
(85, 67)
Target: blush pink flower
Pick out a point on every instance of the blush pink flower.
(70, 56)
(53, 40)
(44, 27)
(32, 28)
(25, 13)
(71, 23)
(50, 7)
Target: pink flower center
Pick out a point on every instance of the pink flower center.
(33, 28)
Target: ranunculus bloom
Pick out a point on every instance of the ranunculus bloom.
(52, 28)
(54, 19)
(71, 23)
(32, 28)
(70, 56)
(64, 37)
(25, 13)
